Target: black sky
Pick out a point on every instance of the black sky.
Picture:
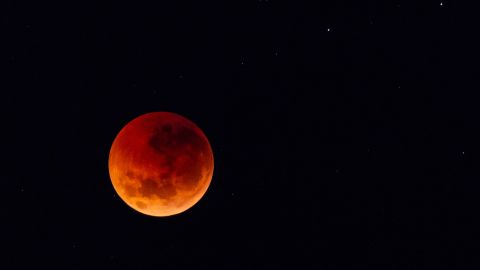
(344, 135)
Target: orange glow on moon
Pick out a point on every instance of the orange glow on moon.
(161, 164)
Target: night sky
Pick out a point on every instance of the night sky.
(344, 135)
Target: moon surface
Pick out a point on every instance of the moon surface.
(161, 164)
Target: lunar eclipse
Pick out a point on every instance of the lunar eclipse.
(161, 164)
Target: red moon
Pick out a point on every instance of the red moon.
(161, 164)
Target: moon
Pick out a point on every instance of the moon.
(161, 164)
